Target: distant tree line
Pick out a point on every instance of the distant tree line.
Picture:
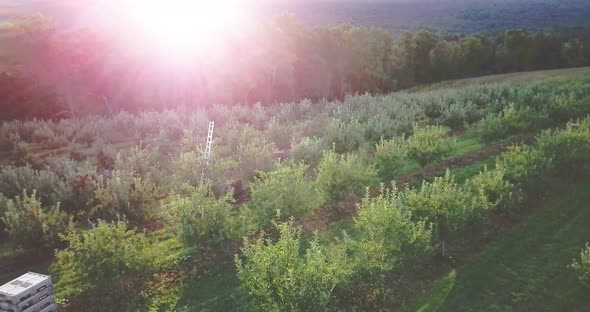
(65, 74)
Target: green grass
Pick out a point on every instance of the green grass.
(464, 173)
(509, 79)
(526, 270)
(216, 290)
(464, 144)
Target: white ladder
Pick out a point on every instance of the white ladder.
(208, 150)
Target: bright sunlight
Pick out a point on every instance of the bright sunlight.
(184, 28)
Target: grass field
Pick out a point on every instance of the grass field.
(526, 270)
(581, 73)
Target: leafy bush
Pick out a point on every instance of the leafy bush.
(187, 168)
(202, 219)
(102, 255)
(82, 187)
(309, 150)
(429, 144)
(582, 265)
(280, 278)
(32, 225)
(253, 157)
(446, 204)
(508, 122)
(523, 164)
(285, 189)
(564, 107)
(123, 195)
(390, 158)
(50, 188)
(457, 115)
(492, 185)
(3, 208)
(345, 137)
(569, 148)
(390, 235)
(339, 176)
(280, 133)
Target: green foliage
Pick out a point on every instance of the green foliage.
(125, 196)
(103, 255)
(390, 158)
(285, 191)
(338, 176)
(280, 278)
(429, 144)
(309, 150)
(496, 127)
(50, 188)
(32, 225)
(575, 139)
(161, 293)
(200, 218)
(254, 156)
(447, 204)
(3, 208)
(493, 185)
(458, 115)
(582, 265)
(186, 168)
(345, 137)
(279, 133)
(564, 107)
(391, 237)
(523, 164)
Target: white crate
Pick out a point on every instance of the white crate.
(26, 293)
(51, 308)
(41, 305)
(31, 301)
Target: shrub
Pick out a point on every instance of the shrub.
(457, 115)
(123, 195)
(253, 157)
(33, 226)
(280, 278)
(344, 136)
(575, 139)
(102, 255)
(446, 204)
(285, 189)
(280, 134)
(222, 173)
(187, 168)
(582, 265)
(390, 158)
(202, 219)
(3, 208)
(51, 189)
(523, 164)
(429, 144)
(564, 107)
(390, 235)
(82, 188)
(339, 176)
(309, 150)
(508, 122)
(492, 185)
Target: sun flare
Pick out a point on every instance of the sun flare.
(184, 27)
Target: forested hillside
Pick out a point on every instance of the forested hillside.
(88, 72)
